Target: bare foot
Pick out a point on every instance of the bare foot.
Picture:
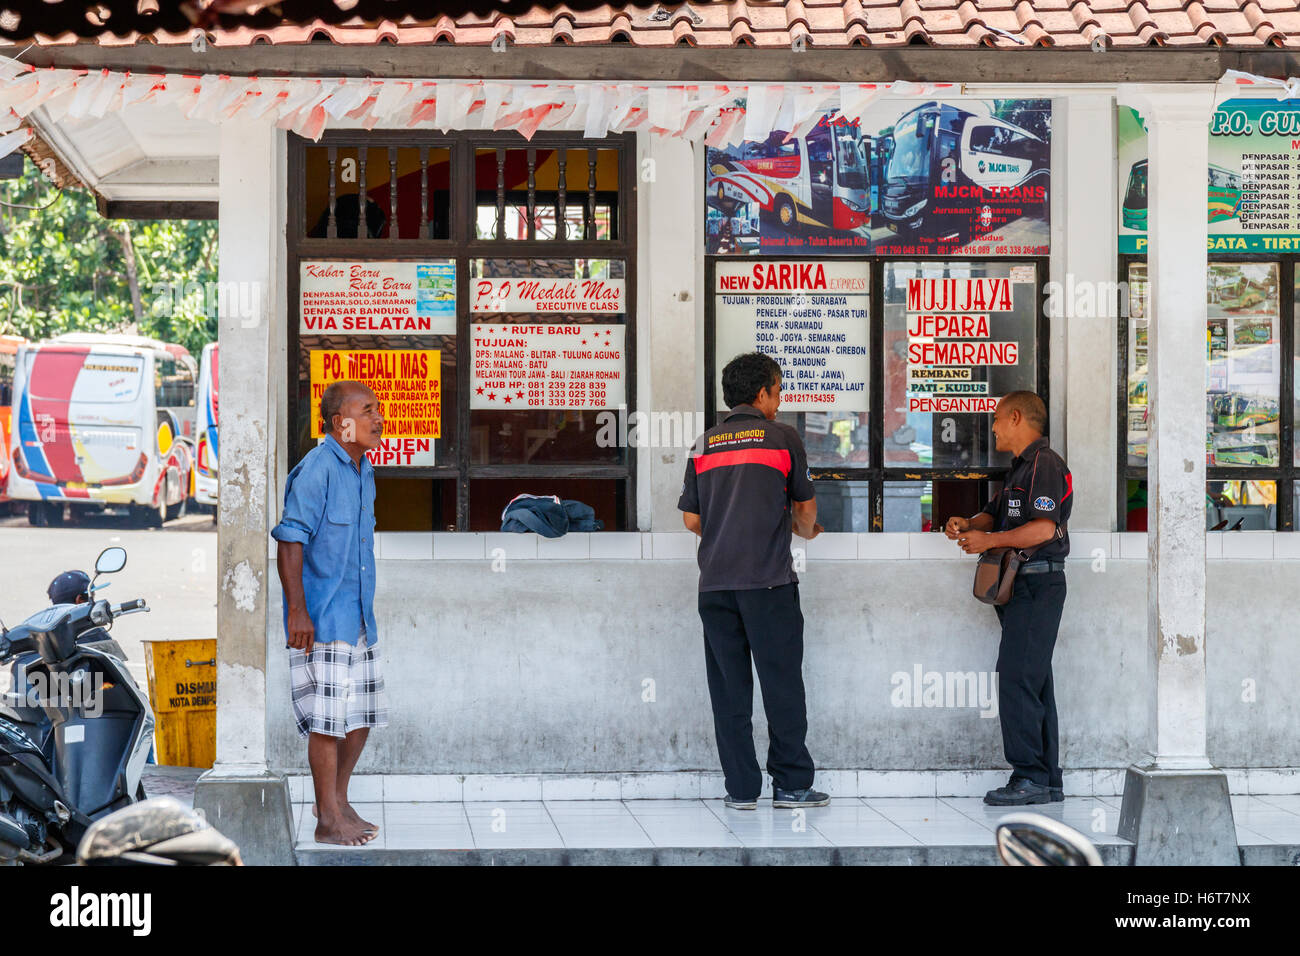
(342, 832)
(350, 815)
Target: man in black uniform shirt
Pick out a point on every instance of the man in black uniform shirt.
(747, 487)
(1031, 512)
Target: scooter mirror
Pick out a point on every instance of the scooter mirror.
(110, 561)
(1032, 839)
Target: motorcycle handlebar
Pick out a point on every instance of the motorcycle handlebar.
(127, 607)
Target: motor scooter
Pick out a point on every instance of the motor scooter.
(101, 730)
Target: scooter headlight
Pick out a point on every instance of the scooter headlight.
(100, 614)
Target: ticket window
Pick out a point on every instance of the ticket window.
(1245, 341)
(957, 337)
(946, 339)
(413, 213)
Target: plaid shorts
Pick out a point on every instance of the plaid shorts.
(337, 689)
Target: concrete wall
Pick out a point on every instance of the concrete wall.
(540, 667)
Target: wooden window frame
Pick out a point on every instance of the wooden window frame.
(462, 246)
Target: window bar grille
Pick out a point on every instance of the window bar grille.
(532, 194)
(363, 221)
(591, 195)
(424, 192)
(561, 223)
(501, 194)
(331, 226)
(392, 194)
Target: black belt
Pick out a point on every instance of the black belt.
(1041, 567)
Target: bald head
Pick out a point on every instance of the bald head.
(1030, 407)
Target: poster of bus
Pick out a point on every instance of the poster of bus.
(961, 177)
(1251, 205)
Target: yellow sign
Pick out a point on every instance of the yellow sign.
(408, 383)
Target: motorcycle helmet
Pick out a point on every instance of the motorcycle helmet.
(68, 586)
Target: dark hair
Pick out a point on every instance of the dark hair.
(1030, 407)
(331, 402)
(747, 375)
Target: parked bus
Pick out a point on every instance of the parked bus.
(815, 180)
(8, 356)
(940, 145)
(102, 422)
(1223, 195)
(205, 429)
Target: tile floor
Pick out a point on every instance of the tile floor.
(847, 822)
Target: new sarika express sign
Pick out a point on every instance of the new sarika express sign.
(1251, 198)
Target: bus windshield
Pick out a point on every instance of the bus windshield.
(85, 377)
(910, 162)
(1136, 197)
(852, 165)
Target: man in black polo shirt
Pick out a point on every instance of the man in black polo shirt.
(1031, 512)
(747, 487)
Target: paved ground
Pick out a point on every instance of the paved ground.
(173, 568)
(894, 830)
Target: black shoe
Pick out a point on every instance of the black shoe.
(729, 801)
(1018, 792)
(793, 799)
(1058, 794)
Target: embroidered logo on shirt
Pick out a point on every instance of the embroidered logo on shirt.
(1044, 503)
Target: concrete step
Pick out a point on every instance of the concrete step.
(901, 831)
(957, 855)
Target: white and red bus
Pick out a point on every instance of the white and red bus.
(817, 180)
(102, 422)
(205, 428)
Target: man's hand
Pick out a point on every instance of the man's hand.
(974, 542)
(955, 526)
(302, 633)
(816, 530)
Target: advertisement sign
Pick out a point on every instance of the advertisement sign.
(377, 298)
(812, 317)
(1254, 164)
(548, 366)
(408, 383)
(547, 295)
(966, 177)
(950, 335)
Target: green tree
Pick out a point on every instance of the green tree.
(65, 268)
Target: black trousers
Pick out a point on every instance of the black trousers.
(767, 624)
(1026, 700)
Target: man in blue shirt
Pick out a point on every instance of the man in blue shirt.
(326, 560)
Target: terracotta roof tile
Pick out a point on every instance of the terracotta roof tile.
(958, 24)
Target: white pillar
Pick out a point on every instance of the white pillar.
(1176, 807)
(670, 245)
(1084, 303)
(1177, 121)
(251, 253)
(241, 796)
